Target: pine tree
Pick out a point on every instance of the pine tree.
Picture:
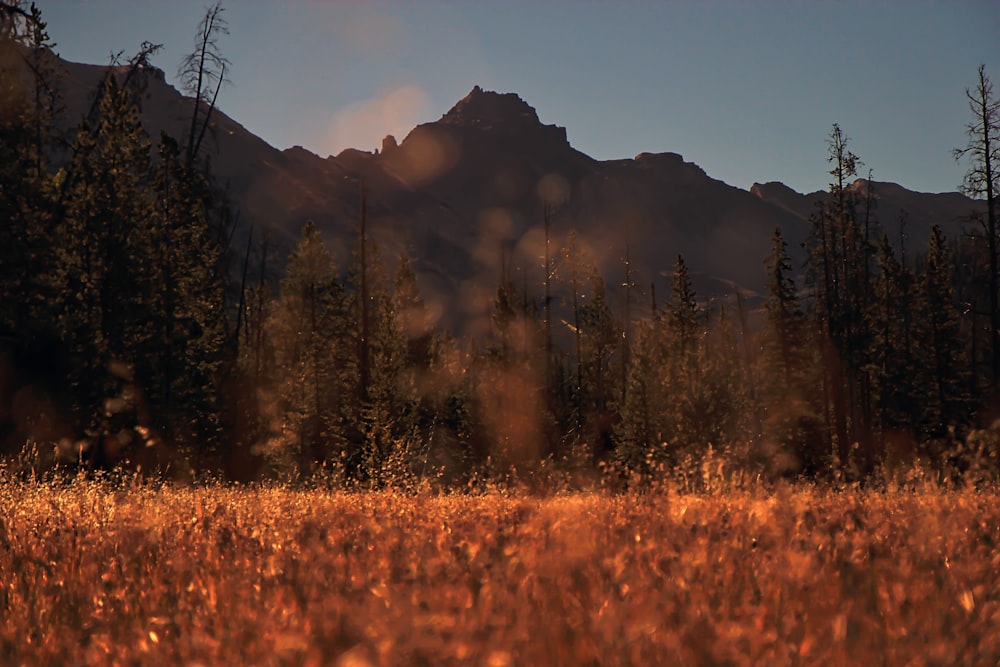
(720, 401)
(256, 396)
(940, 359)
(666, 392)
(188, 296)
(683, 313)
(682, 384)
(789, 384)
(416, 343)
(412, 317)
(895, 367)
(839, 271)
(599, 340)
(28, 108)
(140, 292)
(640, 444)
(508, 323)
(310, 330)
(381, 352)
(103, 300)
(510, 387)
(785, 320)
(972, 291)
(983, 180)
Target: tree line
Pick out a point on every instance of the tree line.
(130, 323)
(115, 271)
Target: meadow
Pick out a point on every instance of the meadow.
(101, 573)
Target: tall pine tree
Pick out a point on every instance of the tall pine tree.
(310, 328)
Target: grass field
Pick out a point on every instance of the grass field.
(93, 574)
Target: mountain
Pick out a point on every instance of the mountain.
(466, 197)
(893, 209)
(464, 193)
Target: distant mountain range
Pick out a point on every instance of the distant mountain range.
(468, 192)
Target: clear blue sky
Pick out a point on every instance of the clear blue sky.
(747, 90)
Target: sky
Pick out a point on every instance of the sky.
(746, 90)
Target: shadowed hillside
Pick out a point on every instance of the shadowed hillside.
(461, 194)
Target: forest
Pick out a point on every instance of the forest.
(135, 332)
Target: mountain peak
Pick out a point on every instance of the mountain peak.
(771, 189)
(486, 108)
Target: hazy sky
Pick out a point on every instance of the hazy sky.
(747, 90)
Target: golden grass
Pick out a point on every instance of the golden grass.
(96, 575)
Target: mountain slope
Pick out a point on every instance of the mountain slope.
(479, 180)
(894, 210)
(470, 191)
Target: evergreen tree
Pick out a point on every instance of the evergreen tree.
(895, 367)
(972, 289)
(381, 351)
(945, 403)
(683, 313)
(720, 401)
(789, 384)
(513, 403)
(514, 327)
(839, 272)
(189, 349)
(599, 340)
(28, 107)
(416, 345)
(310, 329)
(412, 317)
(640, 436)
(256, 393)
(683, 384)
(666, 394)
(103, 301)
(983, 180)
(785, 320)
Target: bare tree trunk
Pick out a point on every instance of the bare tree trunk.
(626, 324)
(363, 351)
(980, 181)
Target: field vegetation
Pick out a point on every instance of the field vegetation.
(101, 572)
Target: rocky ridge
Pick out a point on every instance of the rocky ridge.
(462, 194)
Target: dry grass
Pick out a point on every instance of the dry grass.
(96, 575)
